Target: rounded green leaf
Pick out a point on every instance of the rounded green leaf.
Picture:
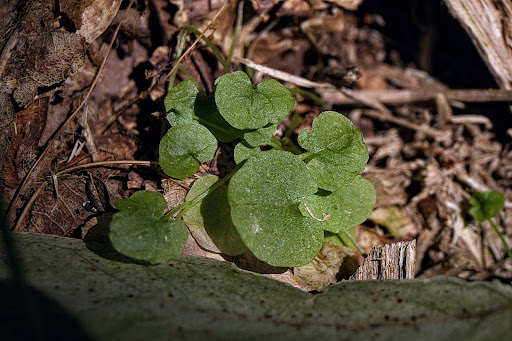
(264, 196)
(154, 202)
(208, 115)
(486, 205)
(260, 136)
(140, 230)
(184, 147)
(346, 208)
(243, 152)
(338, 152)
(179, 102)
(246, 107)
(209, 220)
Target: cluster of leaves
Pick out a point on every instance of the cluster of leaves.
(279, 204)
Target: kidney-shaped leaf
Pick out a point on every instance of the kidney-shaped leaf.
(179, 102)
(243, 151)
(338, 152)
(140, 231)
(264, 196)
(209, 116)
(209, 220)
(195, 298)
(246, 107)
(348, 207)
(184, 147)
(260, 136)
(486, 205)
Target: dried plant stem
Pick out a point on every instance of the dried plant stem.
(507, 248)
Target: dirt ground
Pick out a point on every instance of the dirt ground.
(406, 74)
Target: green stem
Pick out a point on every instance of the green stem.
(291, 145)
(306, 155)
(179, 50)
(187, 205)
(509, 252)
(346, 236)
(309, 94)
(215, 50)
(213, 125)
(236, 35)
(275, 143)
(295, 121)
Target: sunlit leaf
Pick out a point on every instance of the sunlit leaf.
(264, 196)
(248, 107)
(179, 102)
(348, 207)
(338, 152)
(260, 136)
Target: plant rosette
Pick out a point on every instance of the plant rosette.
(279, 202)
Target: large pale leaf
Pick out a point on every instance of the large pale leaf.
(209, 220)
(202, 299)
(348, 207)
(338, 152)
(184, 147)
(264, 196)
(246, 107)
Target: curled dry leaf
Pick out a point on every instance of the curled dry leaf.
(90, 18)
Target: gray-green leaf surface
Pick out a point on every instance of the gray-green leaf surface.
(195, 298)
(140, 230)
(348, 207)
(184, 147)
(264, 195)
(336, 148)
(248, 107)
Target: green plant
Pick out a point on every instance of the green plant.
(279, 201)
(484, 206)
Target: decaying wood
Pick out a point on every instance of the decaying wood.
(489, 24)
(391, 261)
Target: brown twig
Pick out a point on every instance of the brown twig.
(427, 130)
(397, 97)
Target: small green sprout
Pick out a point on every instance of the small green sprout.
(279, 202)
(484, 206)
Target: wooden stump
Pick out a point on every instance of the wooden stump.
(391, 261)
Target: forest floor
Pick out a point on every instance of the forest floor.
(403, 79)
